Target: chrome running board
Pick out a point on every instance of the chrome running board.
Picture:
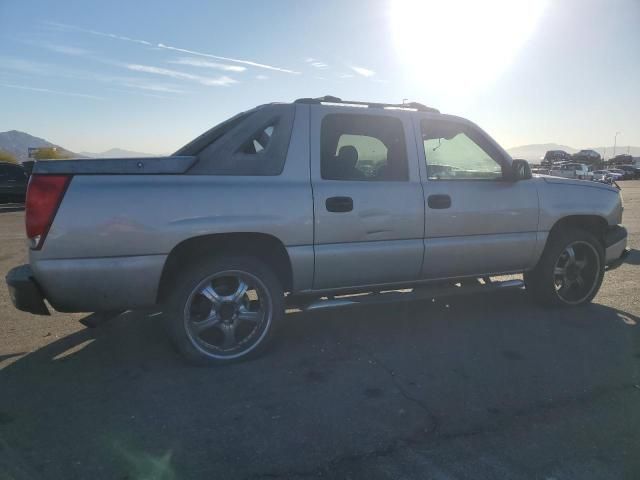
(406, 295)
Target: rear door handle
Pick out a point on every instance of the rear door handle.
(339, 204)
(439, 201)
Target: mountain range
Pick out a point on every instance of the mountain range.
(18, 143)
(116, 153)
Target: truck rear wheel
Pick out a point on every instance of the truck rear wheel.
(222, 310)
(570, 270)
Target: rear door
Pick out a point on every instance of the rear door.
(368, 201)
(478, 221)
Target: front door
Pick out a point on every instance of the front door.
(478, 221)
(368, 202)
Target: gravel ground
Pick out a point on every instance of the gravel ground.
(478, 387)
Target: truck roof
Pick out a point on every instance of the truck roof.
(331, 100)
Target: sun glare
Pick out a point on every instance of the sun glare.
(461, 45)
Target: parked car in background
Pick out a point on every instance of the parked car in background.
(622, 159)
(631, 171)
(616, 174)
(555, 156)
(624, 175)
(317, 198)
(589, 157)
(600, 175)
(13, 183)
(572, 170)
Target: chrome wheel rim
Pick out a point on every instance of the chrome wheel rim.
(576, 272)
(228, 314)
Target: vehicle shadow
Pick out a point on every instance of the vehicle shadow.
(633, 258)
(118, 402)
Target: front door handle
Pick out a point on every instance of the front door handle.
(439, 201)
(339, 204)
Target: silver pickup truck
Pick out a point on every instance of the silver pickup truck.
(307, 204)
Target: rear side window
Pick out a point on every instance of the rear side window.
(362, 148)
(257, 145)
(259, 141)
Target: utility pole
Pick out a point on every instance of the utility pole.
(615, 141)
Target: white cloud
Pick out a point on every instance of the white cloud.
(250, 63)
(47, 90)
(316, 63)
(221, 81)
(152, 87)
(346, 75)
(194, 62)
(23, 66)
(64, 26)
(261, 77)
(66, 49)
(365, 72)
(29, 68)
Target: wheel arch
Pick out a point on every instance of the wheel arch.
(267, 248)
(594, 224)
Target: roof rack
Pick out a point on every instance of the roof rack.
(330, 99)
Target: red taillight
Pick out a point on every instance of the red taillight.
(44, 195)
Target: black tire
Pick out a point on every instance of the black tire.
(186, 300)
(548, 287)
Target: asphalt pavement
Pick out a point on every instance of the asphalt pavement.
(475, 387)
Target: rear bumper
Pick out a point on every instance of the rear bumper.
(99, 284)
(615, 246)
(25, 292)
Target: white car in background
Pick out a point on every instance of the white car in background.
(600, 175)
(572, 170)
(616, 174)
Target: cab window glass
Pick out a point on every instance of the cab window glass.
(456, 152)
(362, 147)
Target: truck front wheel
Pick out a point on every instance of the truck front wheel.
(570, 270)
(222, 310)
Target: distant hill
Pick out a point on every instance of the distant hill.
(116, 153)
(535, 152)
(17, 143)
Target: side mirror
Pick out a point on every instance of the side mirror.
(520, 170)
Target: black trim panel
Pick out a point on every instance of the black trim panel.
(24, 291)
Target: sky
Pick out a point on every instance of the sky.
(150, 76)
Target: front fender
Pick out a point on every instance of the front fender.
(560, 198)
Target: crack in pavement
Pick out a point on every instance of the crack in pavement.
(337, 463)
(434, 421)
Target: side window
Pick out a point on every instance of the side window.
(362, 147)
(259, 141)
(256, 145)
(458, 152)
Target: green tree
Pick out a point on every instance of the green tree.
(7, 157)
(49, 153)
